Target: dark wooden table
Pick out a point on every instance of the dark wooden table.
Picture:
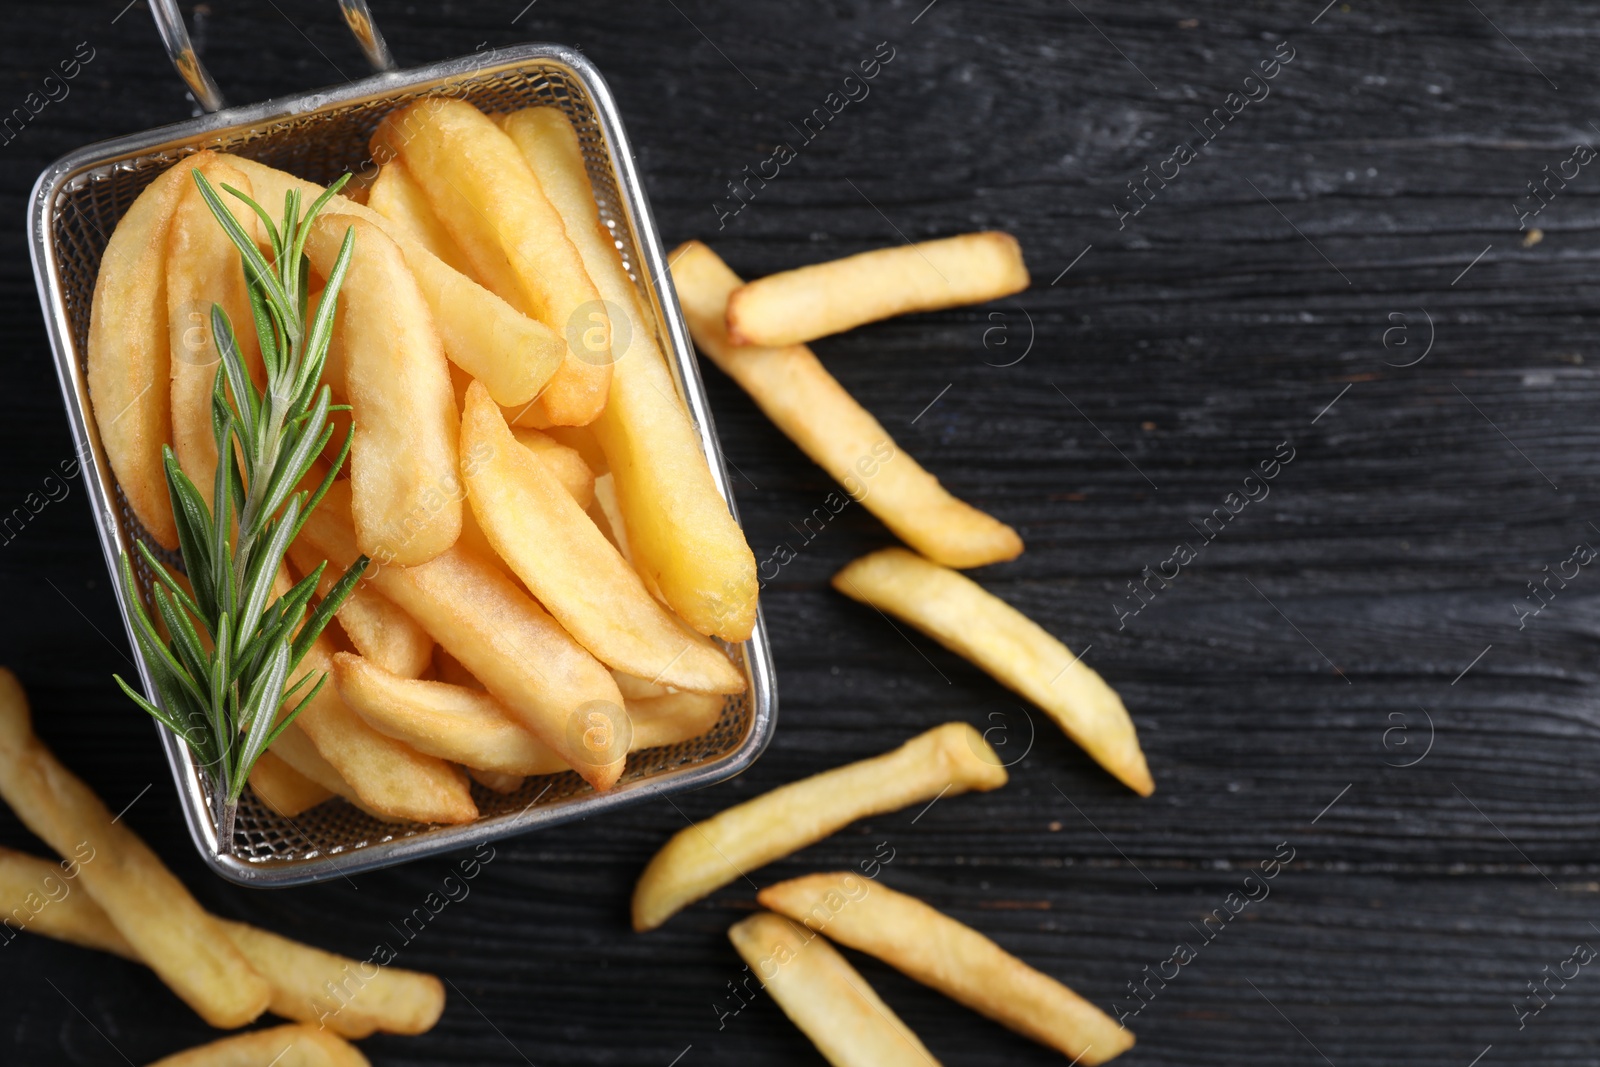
(1350, 669)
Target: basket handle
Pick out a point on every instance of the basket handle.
(175, 38)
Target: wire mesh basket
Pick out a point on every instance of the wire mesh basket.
(76, 204)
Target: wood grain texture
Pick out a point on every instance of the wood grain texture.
(1174, 356)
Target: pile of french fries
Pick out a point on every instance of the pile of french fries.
(116, 896)
(551, 558)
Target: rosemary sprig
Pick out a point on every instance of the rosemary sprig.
(222, 674)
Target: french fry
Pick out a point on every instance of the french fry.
(545, 538)
(186, 947)
(581, 439)
(826, 997)
(519, 653)
(802, 305)
(405, 485)
(953, 958)
(203, 267)
(813, 409)
(562, 461)
(378, 630)
(446, 668)
(129, 363)
(484, 193)
(1019, 653)
(672, 718)
(638, 688)
(37, 895)
(397, 197)
(295, 749)
(510, 353)
(496, 781)
(388, 776)
(949, 759)
(294, 1045)
(283, 789)
(683, 538)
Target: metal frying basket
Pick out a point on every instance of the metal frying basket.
(318, 136)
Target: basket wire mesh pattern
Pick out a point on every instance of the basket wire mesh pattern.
(318, 137)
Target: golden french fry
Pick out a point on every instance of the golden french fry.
(284, 789)
(813, 409)
(153, 911)
(826, 997)
(378, 630)
(295, 749)
(388, 776)
(683, 538)
(562, 461)
(952, 758)
(484, 193)
(580, 439)
(496, 781)
(38, 896)
(638, 688)
(519, 653)
(510, 353)
(129, 363)
(1019, 653)
(446, 668)
(672, 717)
(203, 267)
(294, 1045)
(951, 957)
(545, 538)
(607, 515)
(397, 197)
(802, 305)
(405, 486)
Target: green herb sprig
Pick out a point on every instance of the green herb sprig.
(223, 674)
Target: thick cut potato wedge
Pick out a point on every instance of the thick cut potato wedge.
(683, 538)
(397, 197)
(949, 759)
(403, 465)
(521, 655)
(129, 361)
(956, 612)
(802, 305)
(542, 534)
(484, 193)
(295, 1045)
(951, 957)
(378, 630)
(565, 463)
(510, 353)
(826, 997)
(813, 409)
(284, 789)
(203, 268)
(186, 947)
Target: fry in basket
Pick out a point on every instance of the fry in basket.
(956, 612)
(826, 997)
(403, 465)
(203, 268)
(802, 305)
(813, 409)
(375, 626)
(283, 789)
(129, 363)
(520, 654)
(294, 1045)
(484, 193)
(510, 353)
(184, 946)
(542, 534)
(397, 197)
(949, 759)
(564, 462)
(951, 957)
(682, 536)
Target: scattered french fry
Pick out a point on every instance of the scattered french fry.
(682, 535)
(564, 462)
(482, 190)
(294, 1045)
(397, 197)
(542, 534)
(802, 305)
(375, 626)
(959, 614)
(951, 957)
(511, 354)
(284, 789)
(403, 466)
(826, 997)
(813, 409)
(203, 268)
(948, 760)
(150, 908)
(520, 654)
(38, 895)
(129, 363)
